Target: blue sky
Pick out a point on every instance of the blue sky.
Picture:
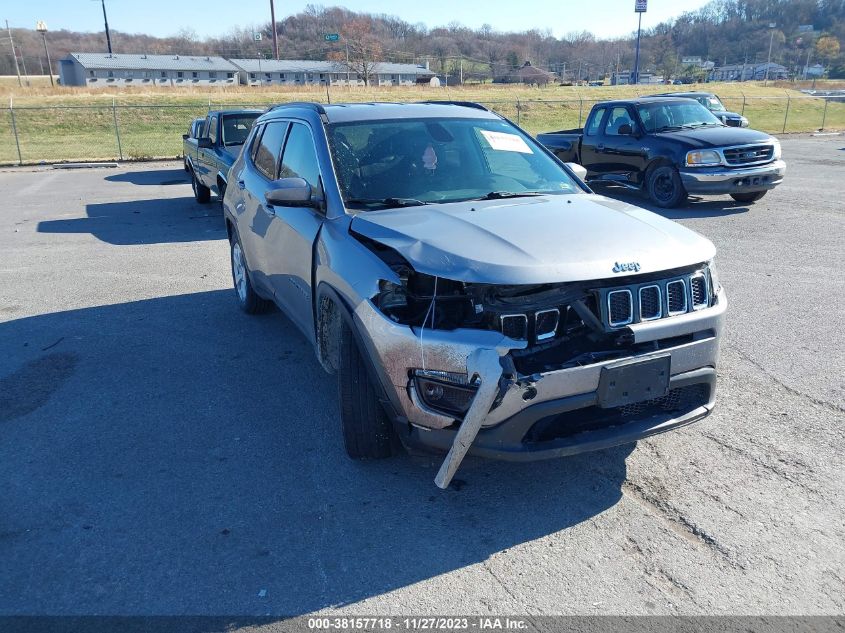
(605, 18)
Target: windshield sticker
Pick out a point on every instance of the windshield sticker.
(505, 142)
(429, 158)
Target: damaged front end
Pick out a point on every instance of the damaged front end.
(522, 365)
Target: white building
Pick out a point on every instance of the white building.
(104, 69)
(265, 72)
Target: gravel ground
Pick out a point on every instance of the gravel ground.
(162, 453)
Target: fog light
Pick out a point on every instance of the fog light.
(444, 392)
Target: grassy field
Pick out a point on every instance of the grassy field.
(55, 124)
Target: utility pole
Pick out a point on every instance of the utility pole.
(106, 22)
(769, 63)
(42, 28)
(462, 71)
(273, 26)
(14, 54)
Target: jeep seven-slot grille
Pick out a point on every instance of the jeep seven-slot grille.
(655, 299)
(748, 155)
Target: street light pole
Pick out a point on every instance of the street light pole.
(637, 54)
(42, 28)
(106, 21)
(769, 62)
(273, 26)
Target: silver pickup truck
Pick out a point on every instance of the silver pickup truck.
(468, 289)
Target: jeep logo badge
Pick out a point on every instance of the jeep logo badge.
(630, 267)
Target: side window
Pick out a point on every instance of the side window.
(300, 157)
(269, 148)
(593, 124)
(619, 116)
(256, 141)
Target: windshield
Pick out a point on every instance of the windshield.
(236, 128)
(405, 162)
(675, 115)
(712, 103)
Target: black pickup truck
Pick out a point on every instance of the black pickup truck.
(209, 156)
(670, 147)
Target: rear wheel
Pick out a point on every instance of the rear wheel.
(748, 198)
(248, 299)
(664, 187)
(201, 192)
(367, 433)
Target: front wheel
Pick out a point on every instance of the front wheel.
(201, 192)
(664, 187)
(365, 425)
(748, 198)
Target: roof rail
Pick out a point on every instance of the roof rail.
(466, 104)
(317, 107)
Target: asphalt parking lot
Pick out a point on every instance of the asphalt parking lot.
(163, 453)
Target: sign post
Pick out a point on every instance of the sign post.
(640, 7)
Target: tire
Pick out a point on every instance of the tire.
(664, 187)
(367, 433)
(748, 198)
(201, 192)
(222, 190)
(247, 298)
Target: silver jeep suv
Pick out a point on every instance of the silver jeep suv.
(470, 292)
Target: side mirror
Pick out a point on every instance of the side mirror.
(184, 137)
(289, 192)
(204, 142)
(578, 170)
(626, 130)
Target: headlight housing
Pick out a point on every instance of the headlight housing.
(715, 284)
(778, 152)
(703, 158)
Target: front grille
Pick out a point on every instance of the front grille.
(652, 300)
(698, 291)
(545, 323)
(515, 326)
(650, 303)
(679, 401)
(620, 307)
(748, 155)
(676, 297)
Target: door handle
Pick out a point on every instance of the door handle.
(600, 147)
(269, 210)
(241, 184)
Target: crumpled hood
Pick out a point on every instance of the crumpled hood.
(547, 239)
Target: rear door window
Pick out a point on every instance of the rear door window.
(619, 116)
(269, 148)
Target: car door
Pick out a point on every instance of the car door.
(591, 152)
(259, 168)
(205, 155)
(288, 245)
(624, 155)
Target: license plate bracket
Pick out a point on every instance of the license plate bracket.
(632, 381)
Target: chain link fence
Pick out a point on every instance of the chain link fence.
(50, 134)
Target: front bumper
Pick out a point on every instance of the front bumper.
(724, 180)
(508, 430)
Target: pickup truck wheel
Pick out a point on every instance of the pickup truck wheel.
(201, 192)
(748, 198)
(366, 427)
(248, 300)
(664, 187)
